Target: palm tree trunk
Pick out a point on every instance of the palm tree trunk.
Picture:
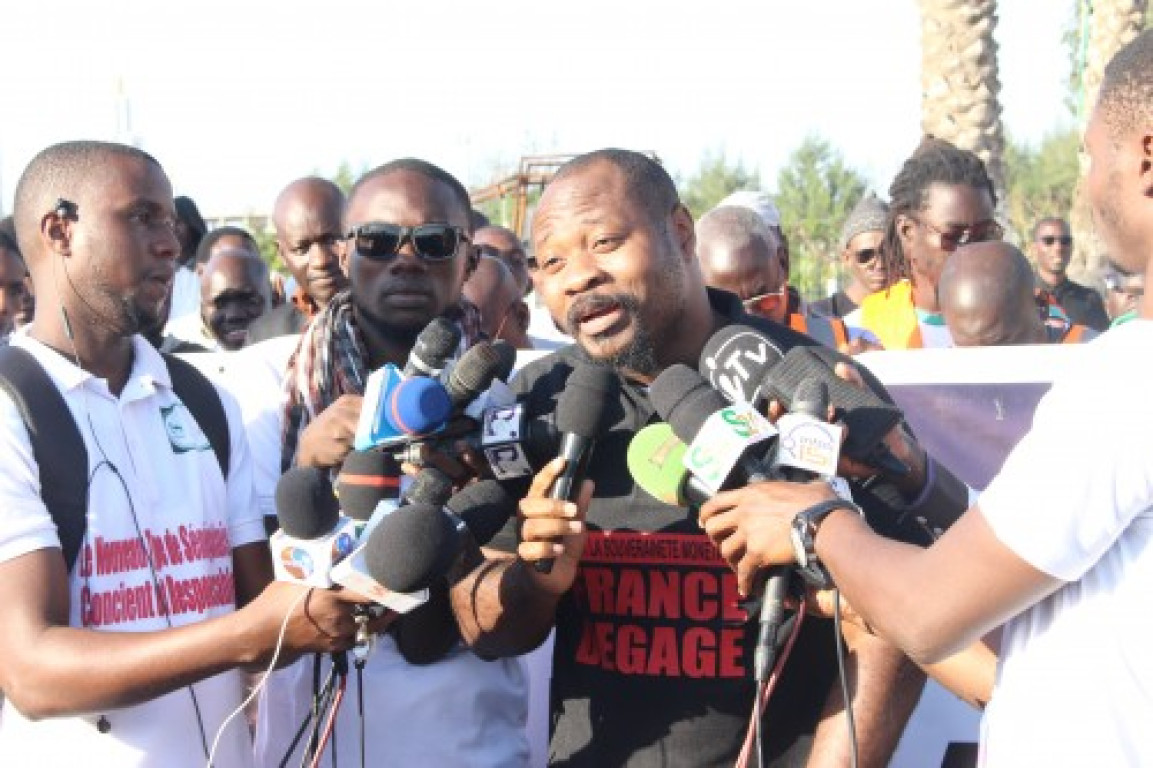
(959, 83)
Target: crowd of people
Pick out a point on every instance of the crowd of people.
(158, 379)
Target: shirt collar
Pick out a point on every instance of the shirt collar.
(148, 367)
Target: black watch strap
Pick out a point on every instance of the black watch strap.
(804, 534)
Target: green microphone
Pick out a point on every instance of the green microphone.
(656, 461)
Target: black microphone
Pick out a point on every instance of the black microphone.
(430, 486)
(485, 507)
(313, 535)
(434, 347)
(366, 479)
(687, 403)
(747, 366)
(507, 353)
(583, 413)
(725, 441)
(412, 547)
(473, 374)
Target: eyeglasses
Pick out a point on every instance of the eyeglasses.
(953, 239)
(866, 255)
(1048, 240)
(432, 242)
(766, 303)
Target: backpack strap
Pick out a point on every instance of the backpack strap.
(202, 400)
(57, 446)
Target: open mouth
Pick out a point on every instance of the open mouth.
(600, 318)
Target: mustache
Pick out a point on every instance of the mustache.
(598, 302)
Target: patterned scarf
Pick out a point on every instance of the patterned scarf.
(331, 360)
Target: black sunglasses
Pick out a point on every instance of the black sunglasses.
(432, 242)
(865, 255)
(1050, 239)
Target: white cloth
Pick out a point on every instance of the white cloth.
(191, 328)
(174, 494)
(185, 299)
(1075, 500)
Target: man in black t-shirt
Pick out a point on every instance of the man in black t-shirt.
(1052, 249)
(651, 664)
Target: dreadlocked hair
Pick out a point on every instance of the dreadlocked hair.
(935, 161)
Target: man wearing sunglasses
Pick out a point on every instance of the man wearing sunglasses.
(861, 239)
(941, 199)
(1052, 249)
(409, 253)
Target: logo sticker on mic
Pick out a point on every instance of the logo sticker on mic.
(809, 444)
(722, 440)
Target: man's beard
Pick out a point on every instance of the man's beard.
(639, 354)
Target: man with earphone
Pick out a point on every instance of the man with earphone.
(129, 655)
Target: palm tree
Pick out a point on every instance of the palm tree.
(959, 83)
(1110, 25)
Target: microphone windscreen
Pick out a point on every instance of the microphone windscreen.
(431, 487)
(366, 478)
(507, 354)
(418, 405)
(485, 507)
(587, 404)
(306, 506)
(812, 399)
(412, 547)
(473, 373)
(685, 400)
(656, 463)
(735, 360)
(434, 346)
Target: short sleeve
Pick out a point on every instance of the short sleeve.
(25, 523)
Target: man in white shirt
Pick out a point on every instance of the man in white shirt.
(1060, 545)
(130, 659)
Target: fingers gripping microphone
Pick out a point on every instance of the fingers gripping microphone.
(313, 537)
(583, 414)
(433, 349)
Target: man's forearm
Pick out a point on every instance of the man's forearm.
(500, 609)
(884, 686)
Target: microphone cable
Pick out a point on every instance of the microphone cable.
(764, 691)
(264, 679)
(848, 701)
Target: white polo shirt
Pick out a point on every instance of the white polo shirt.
(174, 496)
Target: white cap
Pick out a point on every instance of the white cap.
(758, 202)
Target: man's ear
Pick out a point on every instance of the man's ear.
(472, 260)
(1146, 167)
(523, 315)
(684, 231)
(905, 226)
(343, 250)
(56, 233)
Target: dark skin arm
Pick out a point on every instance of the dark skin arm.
(504, 607)
(49, 669)
(884, 686)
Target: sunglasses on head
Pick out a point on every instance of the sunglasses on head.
(1050, 239)
(866, 255)
(431, 242)
(766, 303)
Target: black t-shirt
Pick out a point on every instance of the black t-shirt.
(653, 661)
(1084, 306)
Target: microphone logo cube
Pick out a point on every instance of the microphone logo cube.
(500, 436)
(737, 366)
(809, 444)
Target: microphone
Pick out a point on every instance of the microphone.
(656, 461)
(747, 366)
(474, 373)
(809, 446)
(484, 507)
(723, 439)
(584, 413)
(412, 547)
(507, 357)
(418, 406)
(431, 487)
(366, 479)
(433, 348)
(313, 536)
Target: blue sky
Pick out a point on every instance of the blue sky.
(237, 98)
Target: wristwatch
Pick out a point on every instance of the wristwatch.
(803, 533)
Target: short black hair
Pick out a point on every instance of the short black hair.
(935, 161)
(1125, 99)
(204, 250)
(426, 169)
(646, 180)
(8, 243)
(187, 211)
(56, 173)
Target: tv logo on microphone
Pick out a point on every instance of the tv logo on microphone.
(731, 369)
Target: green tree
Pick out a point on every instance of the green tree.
(345, 177)
(1041, 180)
(816, 191)
(714, 180)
